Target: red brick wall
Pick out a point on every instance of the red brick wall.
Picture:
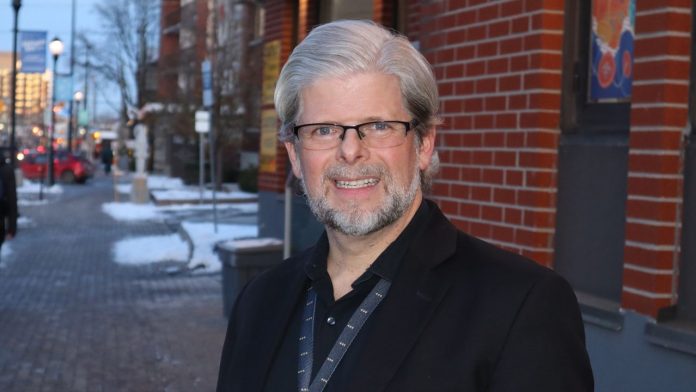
(659, 112)
(168, 50)
(498, 66)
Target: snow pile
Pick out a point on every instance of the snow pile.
(204, 238)
(35, 187)
(194, 194)
(150, 249)
(163, 182)
(131, 211)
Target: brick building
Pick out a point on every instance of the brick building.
(222, 32)
(563, 140)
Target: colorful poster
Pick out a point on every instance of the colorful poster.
(611, 50)
(269, 141)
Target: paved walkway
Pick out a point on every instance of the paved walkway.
(73, 320)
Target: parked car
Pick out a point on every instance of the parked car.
(67, 167)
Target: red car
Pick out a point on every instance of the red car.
(67, 167)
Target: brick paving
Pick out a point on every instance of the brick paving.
(73, 320)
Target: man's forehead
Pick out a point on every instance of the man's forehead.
(375, 95)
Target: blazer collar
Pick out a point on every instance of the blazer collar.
(413, 296)
(416, 292)
(274, 323)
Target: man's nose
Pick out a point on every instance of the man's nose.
(352, 147)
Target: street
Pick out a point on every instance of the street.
(73, 320)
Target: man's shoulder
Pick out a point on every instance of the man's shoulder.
(493, 265)
(277, 277)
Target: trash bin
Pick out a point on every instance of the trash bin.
(242, 259)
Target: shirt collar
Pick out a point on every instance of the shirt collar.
(387, 263)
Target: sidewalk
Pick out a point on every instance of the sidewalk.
(73, 320)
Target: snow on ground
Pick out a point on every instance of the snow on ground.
(4, 253)
(204, 238)
(35, 187)
(154, 182)
(153, 249)
(163, 182)
(194, 194)
(23, 202)
(150, 249)
(241, 207)
(131, 211)
(159, 248)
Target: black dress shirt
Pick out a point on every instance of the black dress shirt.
(331, 315)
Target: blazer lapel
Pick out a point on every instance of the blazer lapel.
(280, 302)
(411, 302)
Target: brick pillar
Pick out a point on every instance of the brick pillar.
(498, 66)
(659, 112)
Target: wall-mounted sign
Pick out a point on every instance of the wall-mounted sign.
(269, 141)
(611, 50)
(271, 70)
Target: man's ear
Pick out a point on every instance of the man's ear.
(427, 148)
(294, 159)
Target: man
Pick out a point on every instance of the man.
(392, 297)
(8, 198)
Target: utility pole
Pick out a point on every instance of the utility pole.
(71, 104)
(16, 5)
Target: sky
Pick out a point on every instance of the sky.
(54, 17)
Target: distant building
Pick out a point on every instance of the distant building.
(222, 32)
(567, 136)
(32, 99)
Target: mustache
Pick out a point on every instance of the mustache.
(346, 171)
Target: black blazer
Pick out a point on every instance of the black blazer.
(461, 315)
(8, 203)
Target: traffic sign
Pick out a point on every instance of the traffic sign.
(207, 80)
(202, 121)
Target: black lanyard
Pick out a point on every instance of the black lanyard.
(357, 320)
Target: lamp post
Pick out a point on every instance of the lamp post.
(74, 117)
(16, 5)
(56, 48)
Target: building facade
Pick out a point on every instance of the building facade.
(32, 99)
(566, 137)
(224, 33)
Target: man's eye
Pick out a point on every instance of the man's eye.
(379, 126)
(323, 131)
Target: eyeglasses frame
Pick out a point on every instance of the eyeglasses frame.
(408, 124)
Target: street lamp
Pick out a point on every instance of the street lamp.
(56, 48)
(16, 5)
(74, 115)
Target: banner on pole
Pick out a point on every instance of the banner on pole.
(32, 51)
(64, 88)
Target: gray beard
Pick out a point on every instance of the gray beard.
(352, 220)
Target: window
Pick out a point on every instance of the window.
(593, 151)
(344, 9)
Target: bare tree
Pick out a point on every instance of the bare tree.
(229, 41)
(129, 46)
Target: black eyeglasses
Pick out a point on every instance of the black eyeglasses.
(375, 134)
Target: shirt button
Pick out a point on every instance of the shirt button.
(331, 321)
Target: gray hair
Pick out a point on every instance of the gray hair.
(346, 47)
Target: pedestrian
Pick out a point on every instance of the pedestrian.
(107, 157)
(392, 297)
(8, 198)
